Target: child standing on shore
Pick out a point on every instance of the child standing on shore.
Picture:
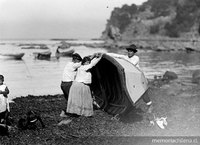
(4, 106)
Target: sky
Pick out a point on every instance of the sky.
(45, 19)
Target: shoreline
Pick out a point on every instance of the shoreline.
(163, 44)
(154, 44)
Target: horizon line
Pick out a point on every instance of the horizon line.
(78, 38)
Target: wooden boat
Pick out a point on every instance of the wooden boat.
(29, 47)
(63, 53)
(42, 55)
(16, 56)
(117, 85)
(189, 49)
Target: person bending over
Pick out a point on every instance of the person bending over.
(68, 77)
(80, 100)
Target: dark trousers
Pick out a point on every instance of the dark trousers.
(3, 115)
(65, 86)
(146, 95)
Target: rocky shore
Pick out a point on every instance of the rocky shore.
(177, 99)
(165, 44)
(153, 44)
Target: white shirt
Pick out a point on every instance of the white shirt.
(83, 75)
(70, 71)
(3, 101)
(134, 59)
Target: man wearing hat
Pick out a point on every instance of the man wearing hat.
(134, 59)
(132, 49)
(68, 76)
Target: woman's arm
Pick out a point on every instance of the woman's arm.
(93, 62)
(6, 92)
(76, 65)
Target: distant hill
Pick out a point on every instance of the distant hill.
(155, 18)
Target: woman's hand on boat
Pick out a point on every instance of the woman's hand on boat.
(98, 55)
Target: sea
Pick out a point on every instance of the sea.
(31, 76)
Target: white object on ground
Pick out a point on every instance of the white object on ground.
(152, 123)
(149, 103)
(161, 122)
(62, 114)
(64, 122)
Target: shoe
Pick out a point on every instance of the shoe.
(149, 103)
(64, 122)
(63, 114)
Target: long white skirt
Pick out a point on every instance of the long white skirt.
(80, 100)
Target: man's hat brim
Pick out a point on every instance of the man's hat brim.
(133, 49)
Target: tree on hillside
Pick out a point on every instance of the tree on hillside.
(186, 17)
(161, 7)
(121, 18)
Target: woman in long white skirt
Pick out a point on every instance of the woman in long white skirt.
(80, 100)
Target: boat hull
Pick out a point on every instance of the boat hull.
(43, 55)
(65, 53)
(17, 56)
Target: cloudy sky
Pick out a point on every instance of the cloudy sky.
(43, 19)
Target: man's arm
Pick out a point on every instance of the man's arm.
(135, 60)
(117, 55)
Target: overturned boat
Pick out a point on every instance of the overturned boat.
(117, 84)
(16, 56)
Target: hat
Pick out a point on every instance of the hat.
(132, 47)
(85, 59)
(77, 56)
